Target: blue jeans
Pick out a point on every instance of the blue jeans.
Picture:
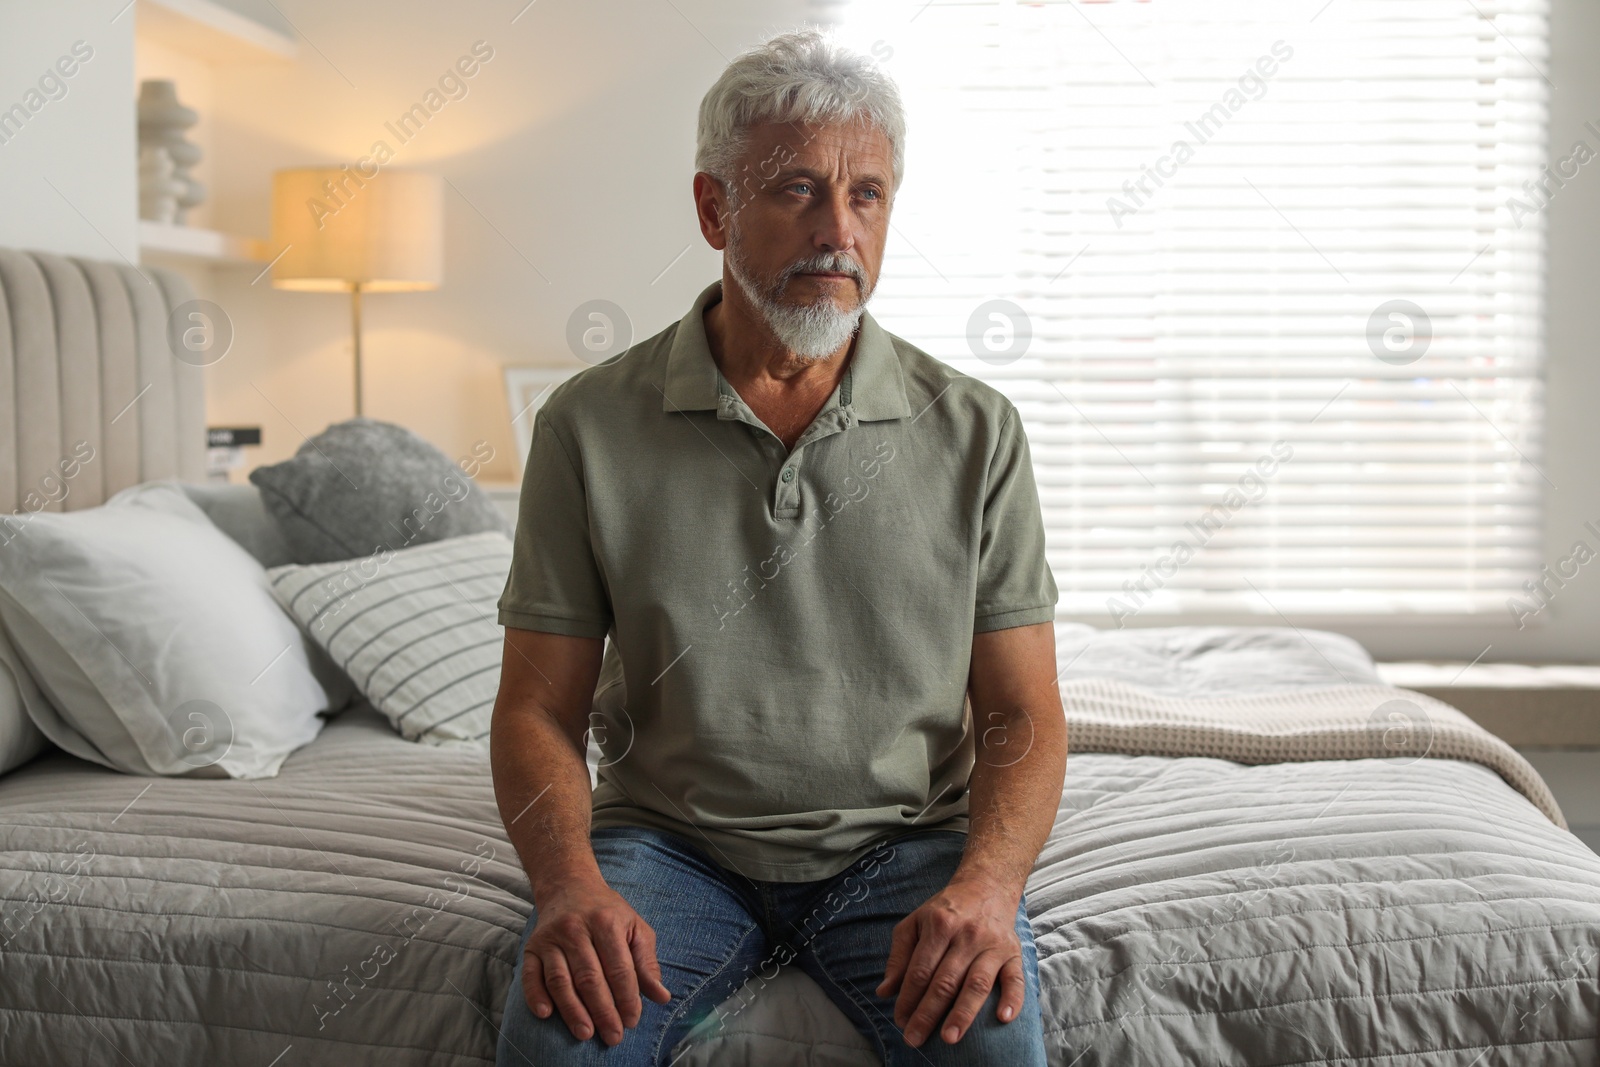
(715, 930)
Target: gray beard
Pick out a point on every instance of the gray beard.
(813, 331)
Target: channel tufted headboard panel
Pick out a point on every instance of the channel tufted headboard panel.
(92, 399)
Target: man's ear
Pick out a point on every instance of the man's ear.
(711, 209)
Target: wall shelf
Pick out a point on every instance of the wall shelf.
(193, 243)
(212, 33)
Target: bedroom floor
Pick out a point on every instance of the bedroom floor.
(1574, 777)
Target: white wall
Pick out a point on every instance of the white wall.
(78, 142)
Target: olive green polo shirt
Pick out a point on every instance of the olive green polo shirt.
(790, 631)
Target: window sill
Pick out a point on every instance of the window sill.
(1555, 706)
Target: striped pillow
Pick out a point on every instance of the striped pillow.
(415, 629)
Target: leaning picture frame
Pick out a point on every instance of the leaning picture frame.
(527, 388)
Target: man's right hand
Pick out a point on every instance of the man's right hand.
(591, 955)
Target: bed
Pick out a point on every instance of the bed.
(1402, 909)
(364, 907)
(1208, 893)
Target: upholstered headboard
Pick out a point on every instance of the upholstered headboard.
(92, 399)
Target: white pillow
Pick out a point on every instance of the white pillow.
(155, 641)
(20, 739)
(416, 630)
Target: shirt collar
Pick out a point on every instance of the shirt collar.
(876, 390)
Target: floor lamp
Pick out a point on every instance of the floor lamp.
(338, 230)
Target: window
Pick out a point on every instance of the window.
(1263, 279)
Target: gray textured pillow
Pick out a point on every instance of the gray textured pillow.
(362, 485)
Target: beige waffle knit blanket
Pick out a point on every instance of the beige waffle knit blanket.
(1343, 722)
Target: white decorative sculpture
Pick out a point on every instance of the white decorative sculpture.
(162, 123)
(158, 189)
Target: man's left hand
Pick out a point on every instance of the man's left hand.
(946, 956)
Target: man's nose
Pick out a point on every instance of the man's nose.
(835, 230)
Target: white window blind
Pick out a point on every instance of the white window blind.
(1205, 211)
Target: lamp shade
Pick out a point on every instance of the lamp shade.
(341, 230)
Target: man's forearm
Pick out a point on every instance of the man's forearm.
(541, 783)
(1014, 792)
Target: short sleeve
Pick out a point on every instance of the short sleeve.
(1015, 586)
(555, 584)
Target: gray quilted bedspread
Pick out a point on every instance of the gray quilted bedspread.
(1195, 911)
(363, 908)
(360, 908)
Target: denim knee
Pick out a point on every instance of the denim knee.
(525, 1039)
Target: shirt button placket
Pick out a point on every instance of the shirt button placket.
(787, 500)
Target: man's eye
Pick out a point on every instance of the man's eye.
(800, 187)
(872, 194)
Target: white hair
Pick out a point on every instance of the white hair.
(804, 76)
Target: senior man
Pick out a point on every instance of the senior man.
(810, 543)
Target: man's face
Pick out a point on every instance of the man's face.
(812, 212)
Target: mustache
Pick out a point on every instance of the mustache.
(833, 262)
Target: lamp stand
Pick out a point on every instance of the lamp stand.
(355, 332)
